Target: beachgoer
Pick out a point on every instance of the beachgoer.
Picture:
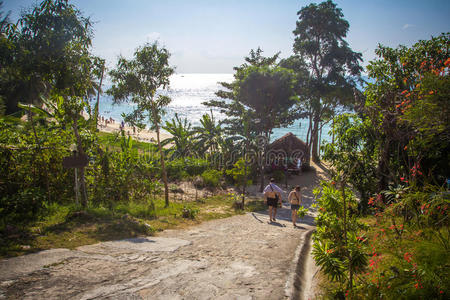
(295, 199)
(272, 195)
(299, 165)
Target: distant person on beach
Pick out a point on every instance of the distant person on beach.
(295, 199)
(272, 195)
(299, 165)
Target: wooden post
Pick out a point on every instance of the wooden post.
(77, 189)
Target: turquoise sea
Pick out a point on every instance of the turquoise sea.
(188, 91)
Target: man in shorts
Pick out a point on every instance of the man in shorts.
(272, 195)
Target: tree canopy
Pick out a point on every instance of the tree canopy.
(320, 43)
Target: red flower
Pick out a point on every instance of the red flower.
(447, 62)
(407, 256)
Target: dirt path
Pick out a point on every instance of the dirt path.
(242, 257)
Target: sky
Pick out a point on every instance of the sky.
(213, 36)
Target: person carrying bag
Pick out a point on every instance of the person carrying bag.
(272, 195)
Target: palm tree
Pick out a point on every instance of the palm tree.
(182, 136)
(208, 135)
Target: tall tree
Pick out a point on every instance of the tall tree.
(267, 93)
(228, 102)
(408, 106)
(137, 80)
(50, 59)
(43, 45)
(319, 42)
(261, 92)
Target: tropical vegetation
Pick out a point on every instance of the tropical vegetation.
(382, 221)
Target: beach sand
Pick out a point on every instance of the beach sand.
(143, 135)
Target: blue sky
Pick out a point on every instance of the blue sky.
(214, 36)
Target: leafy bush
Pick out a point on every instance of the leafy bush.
(189, 213)
(176, 169)
(21, 208)
(278, 175)
(338, 247)
(211, 178)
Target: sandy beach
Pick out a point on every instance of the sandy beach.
(143, 135)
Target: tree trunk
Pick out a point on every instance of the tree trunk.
(262, 161)
(244, 186)
(161, 153)
(84, 199)
(382, 168)
(315, 139)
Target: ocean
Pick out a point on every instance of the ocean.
(188, 92)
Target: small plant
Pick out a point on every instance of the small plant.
(236, 200)
(278, 175)
(189, 213)
(211, 178)
(302, 211)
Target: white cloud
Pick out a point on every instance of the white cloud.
(153, 36)
(406, 26)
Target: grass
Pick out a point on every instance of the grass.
(66, 226)
(114, 140)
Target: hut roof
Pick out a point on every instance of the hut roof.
(289, 143)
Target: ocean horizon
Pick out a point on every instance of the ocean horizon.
(188, 92)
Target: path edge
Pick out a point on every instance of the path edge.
(294, 288)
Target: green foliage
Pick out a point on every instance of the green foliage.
(267, 91)
(32, 174)
(352, 153)
(238, 173)
(189, 213)
(407, 107)
(137, 80)
(338, 248)
(211, 178)
(410, 244)
(330, 63)
(279, 175)
(184, 168)
(208, 135)
(181, 136)
(302, 211)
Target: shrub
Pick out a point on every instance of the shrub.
(278, 175)
(189, 213)
(211, 178)
(23, 207)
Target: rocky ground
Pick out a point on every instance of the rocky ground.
(242, 257)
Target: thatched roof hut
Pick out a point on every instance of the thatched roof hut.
(291, 147)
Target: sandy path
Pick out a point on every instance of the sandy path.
(242, 257)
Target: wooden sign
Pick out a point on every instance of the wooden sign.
(78, 161)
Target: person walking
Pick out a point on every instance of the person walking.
(272, 195)
(295, 199)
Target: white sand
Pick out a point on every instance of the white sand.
(140, 135)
